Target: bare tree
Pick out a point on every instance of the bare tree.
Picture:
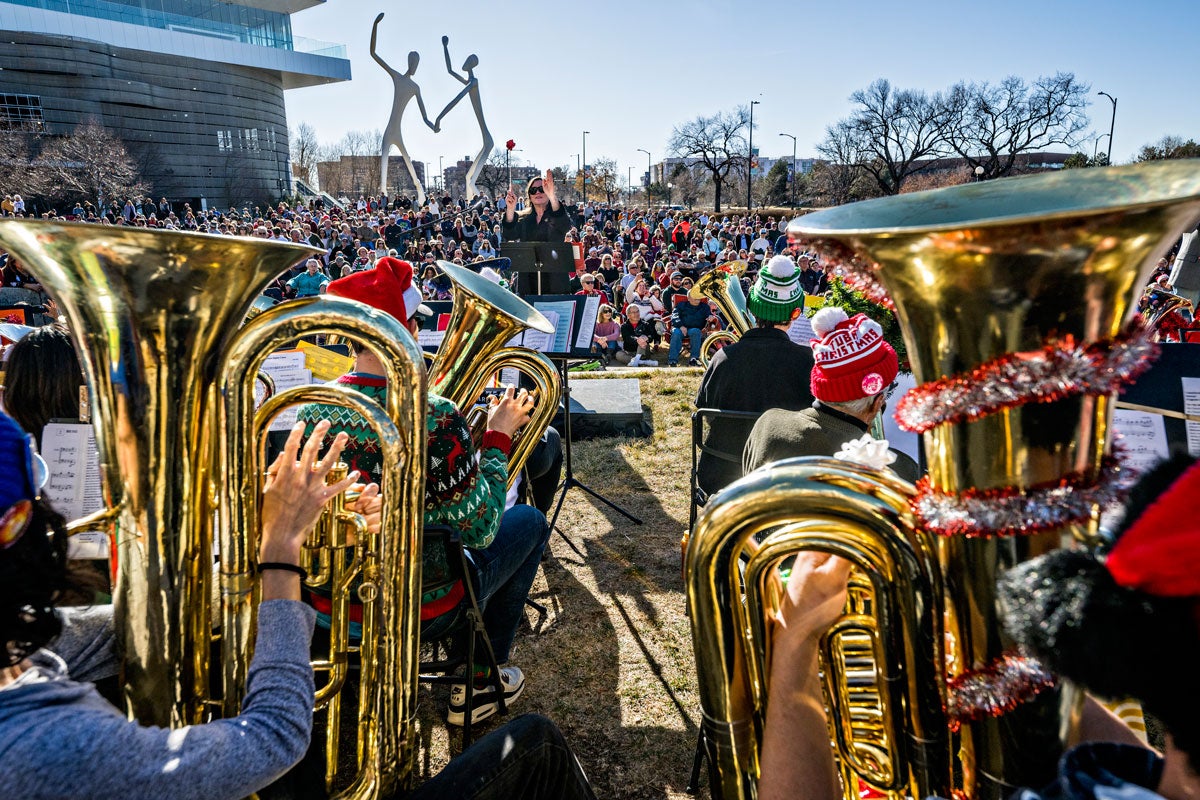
(18, 146)
(835, 178)
(889, 132)
(305, 147)
(717, 142)
(1169, 147)
(688, 185)
(602, 177)
(90, 161)
(564, 182)
(990, 125)
(493, 177)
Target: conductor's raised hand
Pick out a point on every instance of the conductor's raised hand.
(508, 414)
(510, 199)
(295, 492)
(549, 188)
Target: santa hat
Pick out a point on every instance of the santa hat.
(388, 287)
(776, 294)
(851, 358)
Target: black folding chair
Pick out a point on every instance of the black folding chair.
(448, 655)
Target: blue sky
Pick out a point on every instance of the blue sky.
(629, 71)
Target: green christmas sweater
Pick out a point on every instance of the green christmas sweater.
(463, 490)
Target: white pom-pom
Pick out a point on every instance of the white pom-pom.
(868, 325)
(781, 267)
(490, 274)
(827, 319)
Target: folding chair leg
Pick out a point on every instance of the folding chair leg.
(693, 784)
(470, 691)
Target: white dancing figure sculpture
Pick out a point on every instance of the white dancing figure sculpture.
(470, 87)
(406, 90)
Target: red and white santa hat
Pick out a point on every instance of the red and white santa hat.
(852, 359)
(388, 287)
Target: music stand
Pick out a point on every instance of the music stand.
(562, 359)
(549, 261)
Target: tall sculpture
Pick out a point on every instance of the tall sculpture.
(405, 90)
(471, 88)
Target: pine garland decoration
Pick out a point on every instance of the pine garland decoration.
(855, 302)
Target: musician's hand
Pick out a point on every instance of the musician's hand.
(295, 492)
(816, 595)
(509, 413)
(369, 504)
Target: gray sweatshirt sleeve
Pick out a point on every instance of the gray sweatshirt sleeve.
(94, 752)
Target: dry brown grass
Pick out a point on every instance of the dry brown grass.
(612, 662)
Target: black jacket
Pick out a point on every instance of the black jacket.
(762, 370)
(526, 228)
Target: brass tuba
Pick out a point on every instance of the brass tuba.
(723, 287)
(976, 273)
(154, 316)
(483, 319)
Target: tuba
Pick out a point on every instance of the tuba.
(924, 694)
(155, 316)
(484, 318)
(721, 285)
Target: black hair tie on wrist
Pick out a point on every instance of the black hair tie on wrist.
(281, 565)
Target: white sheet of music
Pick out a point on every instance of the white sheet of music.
(587, 327)
(74, 486)
(1143, 438)
(1191, 405)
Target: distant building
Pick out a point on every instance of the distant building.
(456, 179)
(355, 175)
(193, 87)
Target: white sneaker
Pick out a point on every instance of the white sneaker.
(636, 361)
(483, 700)
(648, 362)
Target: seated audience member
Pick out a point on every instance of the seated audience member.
(688, 319)
(852, 376)
(462, 491)
(1119, 623)
(606, 337)
(311, 282)
(636, 335)
(764, 369)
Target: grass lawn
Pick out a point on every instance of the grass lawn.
(612, 661)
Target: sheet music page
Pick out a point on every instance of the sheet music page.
(74, 485)
(430, 338)
(563, 320)
(1191, 405)
(543, 342)
(801, 331)
(1143, 438)
(587, 326)
(286, 379)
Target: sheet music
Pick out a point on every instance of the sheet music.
(1191, 405)
(563, 320)
(801, 331)
(281, 367)
(543, 342)
(1143, 438)
(74, 485)
(591, 311)
(431, 338)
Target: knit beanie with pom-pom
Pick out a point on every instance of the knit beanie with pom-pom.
(851, 358)
(776, 295)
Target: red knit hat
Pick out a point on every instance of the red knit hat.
(852, 360)
(388, 287)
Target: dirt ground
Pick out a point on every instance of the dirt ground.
(611, 661)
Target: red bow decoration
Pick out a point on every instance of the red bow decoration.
(510, 144)
(1159, 552)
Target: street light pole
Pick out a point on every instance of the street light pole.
(1112, 124)
(647, 152)
(750, 159)
(442, 173)
(794, 176)
(585, 133)
(629, 185)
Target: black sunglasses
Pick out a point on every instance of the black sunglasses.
(536, 190)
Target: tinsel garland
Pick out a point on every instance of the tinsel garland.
(1010, 510)
(858, 273)
(1060, 369)
(995, 689)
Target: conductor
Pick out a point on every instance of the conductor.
(543, 220)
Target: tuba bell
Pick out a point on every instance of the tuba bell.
(1048, 267)
(483, 319)
(155, 317)
(723, 287)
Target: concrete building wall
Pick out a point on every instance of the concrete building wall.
(196, 128)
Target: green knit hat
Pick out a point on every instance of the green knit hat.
(776, 294)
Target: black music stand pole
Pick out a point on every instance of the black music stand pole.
(569, 479)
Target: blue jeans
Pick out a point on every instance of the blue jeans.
(677, 343)
(526, 758)
(504, 571)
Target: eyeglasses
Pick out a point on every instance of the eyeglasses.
(536, 190)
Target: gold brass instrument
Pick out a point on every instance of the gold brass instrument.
(975, 272)
(1169, 304)
(723, 287)
(483, 319)
(154, 316)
